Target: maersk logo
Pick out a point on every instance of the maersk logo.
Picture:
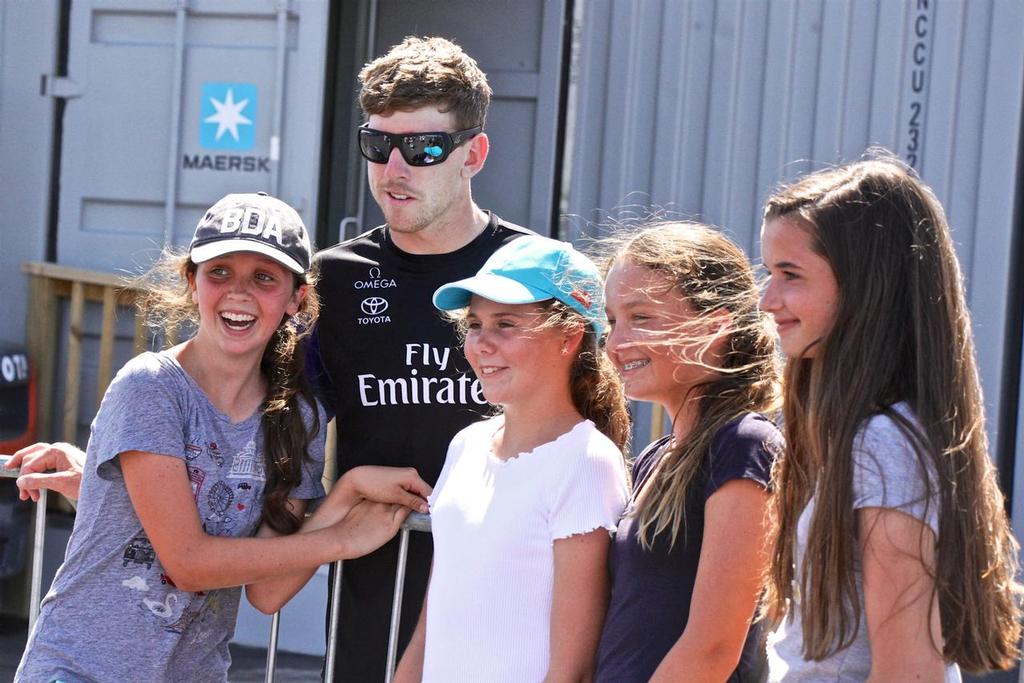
(227, 118)
(374, 308)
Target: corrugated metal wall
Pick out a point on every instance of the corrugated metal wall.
(702, 107)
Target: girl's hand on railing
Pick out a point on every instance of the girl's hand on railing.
(366, 527)
(399, 485)
(54, 466)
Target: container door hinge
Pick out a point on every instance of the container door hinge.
(59, 86)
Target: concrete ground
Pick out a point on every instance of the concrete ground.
(248, 664)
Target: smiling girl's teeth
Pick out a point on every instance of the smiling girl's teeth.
(634, 364)
(488, 371)
(238, 320)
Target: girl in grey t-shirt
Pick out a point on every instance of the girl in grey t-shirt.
(192, 450)
(894, 559)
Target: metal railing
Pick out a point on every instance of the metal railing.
(39, 533)
(414, 522)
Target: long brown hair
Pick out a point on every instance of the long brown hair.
(166, 302)
(901, 333)
(596, 388)
(713, 275)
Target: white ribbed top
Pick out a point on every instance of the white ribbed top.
(494, 525)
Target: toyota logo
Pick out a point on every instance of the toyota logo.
(374, 305)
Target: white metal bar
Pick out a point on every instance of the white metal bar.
(4, 472)
(396, 605)
(416, 521)
(39, 537)
(275, 627)
(332, 627)
(36, 593)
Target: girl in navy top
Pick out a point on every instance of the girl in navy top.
(689, 552)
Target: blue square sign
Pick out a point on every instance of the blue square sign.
(227, 117)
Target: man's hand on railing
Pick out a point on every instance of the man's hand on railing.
(53, 466)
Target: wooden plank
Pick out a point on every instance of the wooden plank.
(41, 337)
(139, 339)
(657, 418)
(107, 337)
(74, 373)
(171, 333)
(48, 284)
(330, 453)
(59, 272)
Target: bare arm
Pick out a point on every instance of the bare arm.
(37, 460)
(162, 497)
(579, 601)
(727, 587)
(401, 486)
(901, 610)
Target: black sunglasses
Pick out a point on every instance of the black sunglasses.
(418, 149)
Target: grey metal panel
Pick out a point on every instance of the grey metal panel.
(703, 107)
(519, 47)
(28, 49)
(119, 133)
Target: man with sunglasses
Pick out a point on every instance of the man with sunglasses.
(390, 367)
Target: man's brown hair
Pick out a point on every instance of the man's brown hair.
(426, 71)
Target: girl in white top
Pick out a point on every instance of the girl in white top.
(894, 559)
(524, 505)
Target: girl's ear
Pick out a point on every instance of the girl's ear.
(296, 301)
(192, 286)
(571, 342)
(718, 327)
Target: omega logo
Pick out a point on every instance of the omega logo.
(374, 305)
(375, 281)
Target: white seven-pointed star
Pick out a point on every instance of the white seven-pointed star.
(228, 116)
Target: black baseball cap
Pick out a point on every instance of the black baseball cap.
(253, 222)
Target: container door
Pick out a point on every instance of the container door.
(179, 103)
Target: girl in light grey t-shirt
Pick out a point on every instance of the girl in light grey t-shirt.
(192, 451)
(893, 557)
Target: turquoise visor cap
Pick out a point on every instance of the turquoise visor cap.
(532, 269)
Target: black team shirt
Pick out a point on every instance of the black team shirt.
(391, 369)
